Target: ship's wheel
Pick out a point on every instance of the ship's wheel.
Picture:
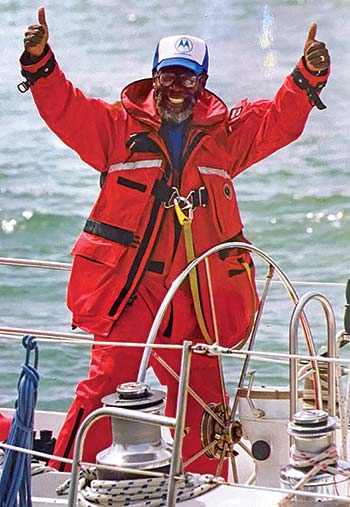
(219, 440)
(220, 430)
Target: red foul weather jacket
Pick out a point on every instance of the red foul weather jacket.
(131, 227)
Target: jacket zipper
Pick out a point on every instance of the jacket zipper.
(144, 243)
(149, 229)
(138, 259)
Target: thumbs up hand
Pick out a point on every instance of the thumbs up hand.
(36, 36)
(315, 52)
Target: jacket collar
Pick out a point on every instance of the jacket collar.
(137, 98)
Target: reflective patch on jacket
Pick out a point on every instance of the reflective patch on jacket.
(139, 164)
(235, 113)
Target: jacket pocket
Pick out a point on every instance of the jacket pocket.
(221, 200)
(92, 289)
(98, 249)
(127, 195)
(97, 276)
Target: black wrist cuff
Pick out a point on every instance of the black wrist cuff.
(311, 91)
(32, 77)
(28, 59)
(318, 73)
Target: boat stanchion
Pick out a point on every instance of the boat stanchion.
(314, 463)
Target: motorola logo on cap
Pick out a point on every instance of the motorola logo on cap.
(184, 45)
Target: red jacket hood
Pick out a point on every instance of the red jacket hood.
(138, 100)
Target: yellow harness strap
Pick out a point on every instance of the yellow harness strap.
(186, 222)
(248, 270)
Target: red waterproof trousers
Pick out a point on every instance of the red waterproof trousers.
(113, 365)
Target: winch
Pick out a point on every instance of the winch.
(314, 464)
(135, 445)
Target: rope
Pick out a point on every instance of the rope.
(151, 491)
(15, 484)
(325, 461)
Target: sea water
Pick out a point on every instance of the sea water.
(295, 205)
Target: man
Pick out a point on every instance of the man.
(167, 153)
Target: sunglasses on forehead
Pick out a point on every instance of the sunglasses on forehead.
(167, 79)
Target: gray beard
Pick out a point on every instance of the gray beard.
(174, 116)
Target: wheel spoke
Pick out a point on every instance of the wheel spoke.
(234, 468)
(196, 396)
(223, 387)
(246, 449)
(201, 452)
(222, 459)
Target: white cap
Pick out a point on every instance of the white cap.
(185, 50)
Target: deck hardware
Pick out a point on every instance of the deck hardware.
(135, 445)
(255, 411)
(314, 463)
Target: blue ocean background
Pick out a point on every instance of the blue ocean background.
(295, 205)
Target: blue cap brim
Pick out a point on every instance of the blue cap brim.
(183, 62)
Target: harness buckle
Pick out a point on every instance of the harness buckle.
(196, 198)
(170, 203)
(185, 206)
(201, 198)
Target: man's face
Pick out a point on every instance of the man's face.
(176, 91)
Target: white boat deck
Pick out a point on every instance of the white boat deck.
(268, 424)
(43, 487)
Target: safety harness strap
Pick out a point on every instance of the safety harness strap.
(162, 191)
(246, 267)
(197, 197)
(186, 222)
(311, 91)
